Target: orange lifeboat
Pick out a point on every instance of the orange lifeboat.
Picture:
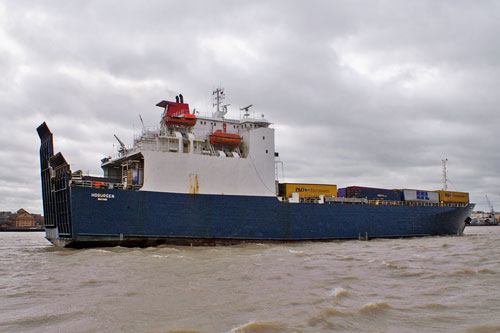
(225, 139)
(184, 120)
(177, 113)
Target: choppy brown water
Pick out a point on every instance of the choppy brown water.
(434, 284)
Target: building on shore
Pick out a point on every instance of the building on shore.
(21, 219)
(6, 220)
(485, 218)
(24, 219)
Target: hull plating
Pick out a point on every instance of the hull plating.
(141, 218)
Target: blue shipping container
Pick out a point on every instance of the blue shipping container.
(373, 193)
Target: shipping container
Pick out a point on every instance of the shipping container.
(370, 193)
(421, 196)
(307, 190)
(450, 196)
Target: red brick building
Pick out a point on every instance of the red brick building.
(24, 219)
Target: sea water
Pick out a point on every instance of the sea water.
(430, 284)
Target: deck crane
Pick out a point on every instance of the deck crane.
(123, 148)
(491, 219)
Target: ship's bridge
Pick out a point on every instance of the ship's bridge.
(190, 153)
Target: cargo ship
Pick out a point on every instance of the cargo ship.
(209, 180)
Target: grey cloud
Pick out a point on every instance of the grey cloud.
(370, 93)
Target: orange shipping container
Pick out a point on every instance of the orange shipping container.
(450, 196)
(307, 190)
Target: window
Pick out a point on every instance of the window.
(263, 138)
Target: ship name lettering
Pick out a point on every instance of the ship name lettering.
(102, 195)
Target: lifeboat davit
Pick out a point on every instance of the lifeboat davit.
(225, 139)
(184, 120)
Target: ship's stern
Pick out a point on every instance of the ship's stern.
(56, 192)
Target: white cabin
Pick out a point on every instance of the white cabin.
(213, 156)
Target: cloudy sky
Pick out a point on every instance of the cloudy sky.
(372, 93)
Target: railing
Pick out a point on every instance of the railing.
(103, 185)
(384, 203)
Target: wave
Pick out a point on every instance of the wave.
(484, 329)
(130, 293)
(392, 265)
(166, 249)
(334, 312)
(159, 256)
(95, 283)
(331, 320)
(339, 292)
(374, 307)
(341, 257)
(410, 274)
(432, 306)
(467, 271)
(37, 321)
(464, 271)
(312, 266)
(96, 251)
(257, 327)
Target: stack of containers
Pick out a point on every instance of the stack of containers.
(370, 193)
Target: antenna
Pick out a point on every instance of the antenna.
(445, 179)
(246, 108)
(142, 122)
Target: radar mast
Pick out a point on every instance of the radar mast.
(218, 97)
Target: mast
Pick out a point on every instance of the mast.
(445, 179)
(218, 97)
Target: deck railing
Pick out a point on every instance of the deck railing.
(387, 202)
(103, 185)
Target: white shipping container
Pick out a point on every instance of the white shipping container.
(420, 196)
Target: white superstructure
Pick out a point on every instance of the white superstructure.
(199, 155)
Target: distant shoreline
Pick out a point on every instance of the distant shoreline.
(22, 230)
(483, 225)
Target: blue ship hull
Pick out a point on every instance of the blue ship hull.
(136, 218)
(77, 216)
